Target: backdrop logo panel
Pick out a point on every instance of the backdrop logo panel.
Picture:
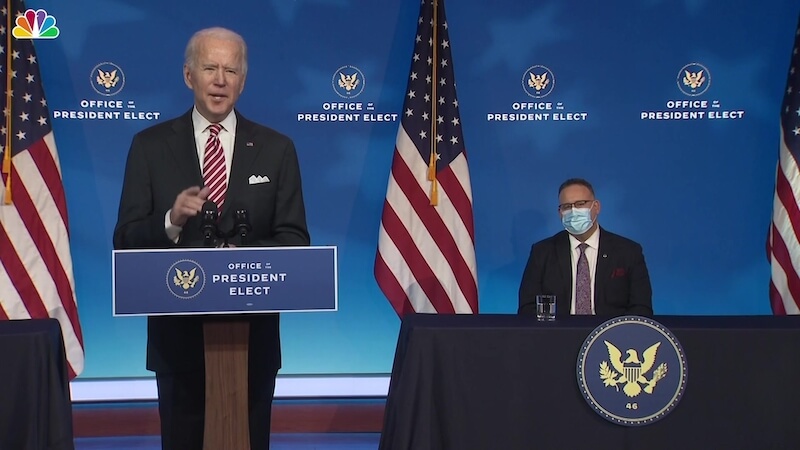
(632, 370)
(538, 82)
(348, 82)
(107, 79)
(35, 24)
(186, 278)
(694, 80)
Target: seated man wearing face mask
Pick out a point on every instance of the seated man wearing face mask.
(588, 269)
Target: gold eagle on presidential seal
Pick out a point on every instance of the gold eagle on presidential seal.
(348, 82)
(694, 79)
(107, 79)
(632, 370)
(185, 278)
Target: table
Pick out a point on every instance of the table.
(508, 382)
(35, 405)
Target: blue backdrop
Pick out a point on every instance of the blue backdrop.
(696, 193)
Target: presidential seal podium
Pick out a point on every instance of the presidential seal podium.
(225, 282)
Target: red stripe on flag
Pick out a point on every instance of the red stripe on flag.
(783, 258)
(20, 278)
(46, 165)
(47, 252)
(415, 262)
(449, 181)
(435, 227)
(785, 193)
(778, 308)
(780, 251)
(391, 288)
(455, 191)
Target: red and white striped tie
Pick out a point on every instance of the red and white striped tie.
(214, 167)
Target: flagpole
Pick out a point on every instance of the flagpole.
(7, 152)
(434, 62)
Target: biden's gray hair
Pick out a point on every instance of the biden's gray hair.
(190, 57)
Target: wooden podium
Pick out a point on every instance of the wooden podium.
(227, 419)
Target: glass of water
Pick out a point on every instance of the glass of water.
(546, 307)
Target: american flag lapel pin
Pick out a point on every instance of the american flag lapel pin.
(248, 144)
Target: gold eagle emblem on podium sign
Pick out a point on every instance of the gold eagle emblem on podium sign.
(107, 79)
(631, 371)
(348, 82)
(185, 279)
(693, 80)
(538, 82)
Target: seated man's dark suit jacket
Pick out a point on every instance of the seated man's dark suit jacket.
(163, 162)
(621, 281)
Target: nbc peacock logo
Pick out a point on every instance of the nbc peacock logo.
(35, 24)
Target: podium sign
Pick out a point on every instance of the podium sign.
(224, 280)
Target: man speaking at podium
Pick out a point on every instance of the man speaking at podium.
(210, 153)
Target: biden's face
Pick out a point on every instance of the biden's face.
(216, 76)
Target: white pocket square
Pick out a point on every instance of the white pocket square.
(258, 179)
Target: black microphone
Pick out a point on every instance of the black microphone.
(208, 223)
(241, 223)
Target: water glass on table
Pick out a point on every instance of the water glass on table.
(546, 307)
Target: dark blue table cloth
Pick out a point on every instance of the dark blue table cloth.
(508, 382)
(35, 405)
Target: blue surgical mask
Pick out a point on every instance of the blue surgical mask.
(577, 220)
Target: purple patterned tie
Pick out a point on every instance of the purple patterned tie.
(583, 284)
